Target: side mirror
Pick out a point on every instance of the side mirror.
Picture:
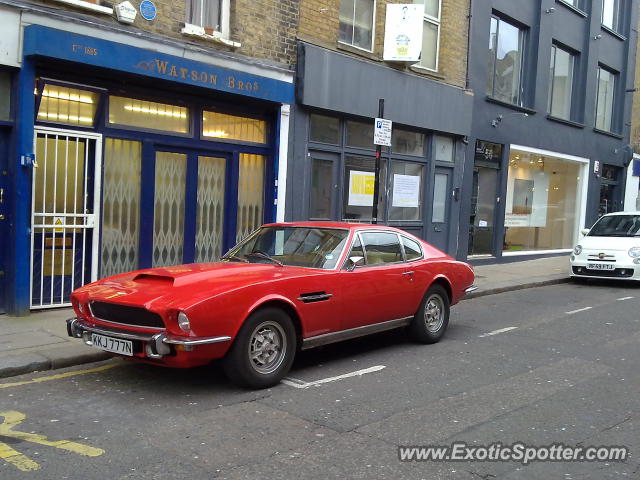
(354, 262)
(584, 231)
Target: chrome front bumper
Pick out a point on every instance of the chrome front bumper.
(157, 345)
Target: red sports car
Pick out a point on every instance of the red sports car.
(286, 287)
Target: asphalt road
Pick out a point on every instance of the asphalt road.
(564, 374)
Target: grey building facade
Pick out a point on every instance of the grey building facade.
(550, 130)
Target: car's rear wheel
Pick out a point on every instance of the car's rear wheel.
(432, 318)
(263, 351)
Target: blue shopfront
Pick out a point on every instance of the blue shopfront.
(128, 158)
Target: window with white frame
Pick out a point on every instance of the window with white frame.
(612, 14)
(356, 23)
(211, 15)
(430, 34)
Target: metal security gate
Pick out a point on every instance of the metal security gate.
(65, 214)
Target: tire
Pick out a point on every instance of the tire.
(432, 318)
(263, 350)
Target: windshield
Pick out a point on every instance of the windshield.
(291, 246)
(616, 226)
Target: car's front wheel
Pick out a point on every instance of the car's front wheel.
(263, 351)
(432, 318)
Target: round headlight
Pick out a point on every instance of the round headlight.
(577, 250)
(634, 252)
(183, 322)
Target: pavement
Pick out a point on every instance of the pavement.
(39, 341)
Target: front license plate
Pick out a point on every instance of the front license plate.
(601, 266)
(110, 344)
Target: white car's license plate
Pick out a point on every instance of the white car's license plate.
(110, 344)
(601, 266)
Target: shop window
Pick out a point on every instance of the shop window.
(70, 106)
(543, 201)
(360, 134)
(506, 53)
(407, 143)
(605, 97)
(250, 194)
(561, 82)
(221, 126)
(406, 191)
(120, 206)
(212, 15)
(612, 14)
(381, 248)
(444, 149)
(132, 112)
(430, 34)
(324, 129)
(5, 96)
(356, 23)
(359, 179)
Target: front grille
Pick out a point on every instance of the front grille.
(628, 272)
(112, 312)
(596, 258)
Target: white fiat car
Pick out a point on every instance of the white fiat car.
(609, 249)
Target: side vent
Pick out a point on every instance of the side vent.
(314, 297)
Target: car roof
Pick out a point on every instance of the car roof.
(333, 224)
(622, 213)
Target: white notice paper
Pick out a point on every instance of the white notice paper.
(406, 191)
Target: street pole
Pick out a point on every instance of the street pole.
(376, 182)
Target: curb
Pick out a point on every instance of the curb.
(511, 288)
(14, 365)
(11, 366)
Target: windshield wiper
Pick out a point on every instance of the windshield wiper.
(236, 258)
(266, 257)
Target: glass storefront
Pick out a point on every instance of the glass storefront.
(543, 202)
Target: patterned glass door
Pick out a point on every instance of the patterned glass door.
(65, 206)
(210, 208)
(169, 208)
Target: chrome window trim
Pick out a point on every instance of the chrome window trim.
(421, 257)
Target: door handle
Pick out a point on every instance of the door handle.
(408, 273)
(1, 195)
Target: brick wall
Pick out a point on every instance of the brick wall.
(266, 29)
(319, 23)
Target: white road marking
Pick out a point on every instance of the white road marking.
(496, 332)
(296, 383)
(624, 298)
(579, 310)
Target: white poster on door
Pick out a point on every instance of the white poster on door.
(406, 191)
(361, 186)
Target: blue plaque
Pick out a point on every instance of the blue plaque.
(148, 10)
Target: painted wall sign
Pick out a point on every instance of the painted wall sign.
(53, 43)
(148, 10)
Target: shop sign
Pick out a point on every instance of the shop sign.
(406, 191)
(403, 32)
(361, 186)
